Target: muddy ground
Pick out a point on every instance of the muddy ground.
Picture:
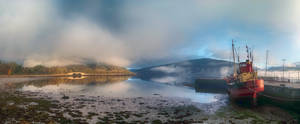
(32, 107)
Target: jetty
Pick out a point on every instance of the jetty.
(276, 90)
(283, 91)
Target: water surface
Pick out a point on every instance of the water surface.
(115, 86)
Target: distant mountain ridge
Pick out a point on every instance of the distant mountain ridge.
(280, 68)
(295, 67)
(186, 71)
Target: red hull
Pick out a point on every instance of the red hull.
(240, 93)
(248, 89)
(244, 82)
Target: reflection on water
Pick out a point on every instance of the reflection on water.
(77, 77)
(114, 86)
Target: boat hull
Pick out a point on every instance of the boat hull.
(248, 89)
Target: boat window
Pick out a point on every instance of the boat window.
(243, 64)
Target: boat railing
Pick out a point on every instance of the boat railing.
(282, 80)
(287, 77)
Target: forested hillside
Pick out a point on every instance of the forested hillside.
(12, 68)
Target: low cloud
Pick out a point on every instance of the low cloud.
(138, 33)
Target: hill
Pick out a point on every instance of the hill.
(280, 68)
(12, 68)
(186, 71)
(288, 67)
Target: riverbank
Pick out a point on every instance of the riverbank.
(84, 109)
(62, 75)
(51, 107)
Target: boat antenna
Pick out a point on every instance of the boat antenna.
(252, 55)
(247, 52)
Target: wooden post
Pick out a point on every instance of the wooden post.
(298, 76)
(267, 55)
(289, 79)
(9, 72)
(283, 61)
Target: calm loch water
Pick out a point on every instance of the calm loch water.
(104, 94)
(115, 86)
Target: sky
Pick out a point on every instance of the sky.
(140, 33)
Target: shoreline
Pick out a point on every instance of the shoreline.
(59, 75)
(78, 108)
(102, 109)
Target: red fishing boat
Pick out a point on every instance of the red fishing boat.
(244, 83)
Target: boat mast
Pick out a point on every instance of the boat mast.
(233, 54)
(252, 56)
(248, 55)
(252, 59)
(237, 55)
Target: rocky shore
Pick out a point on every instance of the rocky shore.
(28, 107)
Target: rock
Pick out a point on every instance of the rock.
(33, 103)
(65, 97)
(10, 103)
